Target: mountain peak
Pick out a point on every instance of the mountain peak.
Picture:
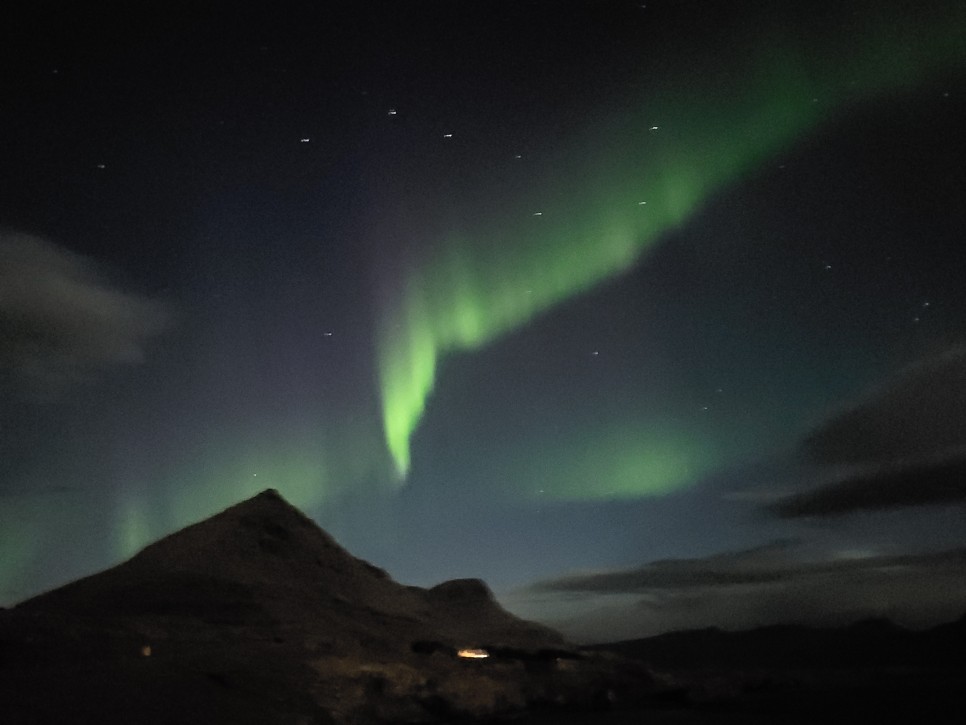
(263, 546)
(262, 539)
(257, 610)
(266, 552)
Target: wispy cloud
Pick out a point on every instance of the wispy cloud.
(919, 413)
(902, 445)
(781, 582)
(754, 565)
(933, 480)
(61, 319)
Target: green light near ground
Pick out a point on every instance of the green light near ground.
(633, 177)
(310, 465)
(134, 530)
(230, 471)
(33, 523)
(21, 540)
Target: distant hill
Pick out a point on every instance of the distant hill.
(256, 615)
(865, 644)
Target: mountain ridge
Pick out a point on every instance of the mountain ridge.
(266, 618)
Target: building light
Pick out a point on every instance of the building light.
(472, 654)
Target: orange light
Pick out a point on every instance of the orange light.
(473, 654)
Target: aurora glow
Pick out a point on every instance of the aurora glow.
(620, 462)
(584, 221)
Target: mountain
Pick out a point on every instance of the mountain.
(870, 671)
(869, 643)
(256, 615)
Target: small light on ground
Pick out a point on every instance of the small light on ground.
(472, 654)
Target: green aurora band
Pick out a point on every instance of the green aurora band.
(612, 461)
(733, 110)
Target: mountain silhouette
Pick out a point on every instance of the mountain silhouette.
(263, 560)
(256, 615)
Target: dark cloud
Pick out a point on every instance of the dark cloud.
(779, 583)
(939, 480)
(922, 412)
(902, 445)
(754, 565)
(782, 561)
(61, 319)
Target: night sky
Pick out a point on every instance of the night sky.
(652, 315)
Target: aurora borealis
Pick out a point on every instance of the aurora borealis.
(576, 280)
(630, 179)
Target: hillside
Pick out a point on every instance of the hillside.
(256, 615)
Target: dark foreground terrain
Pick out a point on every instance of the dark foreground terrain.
(257, 616)
(853, 697)
(870, 672)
